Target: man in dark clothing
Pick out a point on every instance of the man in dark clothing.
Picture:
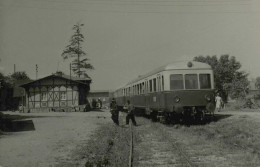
(130, 113)
(114, 111)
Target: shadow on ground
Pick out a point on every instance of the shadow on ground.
(215, 118)
(15, 123)
(190, 121)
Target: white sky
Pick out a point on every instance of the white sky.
(127, 38)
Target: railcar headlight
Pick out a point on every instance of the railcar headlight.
(177, 99)
(208, 98)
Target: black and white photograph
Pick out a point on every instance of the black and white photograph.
(129, 83)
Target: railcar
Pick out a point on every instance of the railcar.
(177, 91)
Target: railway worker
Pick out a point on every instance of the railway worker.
(114, 111)
(130, 113)
(219, 102)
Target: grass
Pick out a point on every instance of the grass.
(109, 146)
(240, 105)
(238, 135)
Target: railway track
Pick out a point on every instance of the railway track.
(130, 163)
(154, 144)
(160, 154)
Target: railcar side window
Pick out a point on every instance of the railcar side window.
(143, 87)
(176, 81)
(191, 81)
(150, 85)
(154, 84)
(205, 81)
(162, 84)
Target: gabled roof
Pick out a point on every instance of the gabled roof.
(65, 77)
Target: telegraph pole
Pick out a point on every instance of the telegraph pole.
(14, 68)
(36, 71)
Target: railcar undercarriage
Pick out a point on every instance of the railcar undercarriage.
(187, 116)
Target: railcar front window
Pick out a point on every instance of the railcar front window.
(191, 81)
(205, 81)
(176, 81)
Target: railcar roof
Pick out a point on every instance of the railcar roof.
(183, 65)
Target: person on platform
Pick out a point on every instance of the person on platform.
(130, 113)
(114, 111)
(219, 102)
(100, 103)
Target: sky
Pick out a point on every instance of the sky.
(126, 38)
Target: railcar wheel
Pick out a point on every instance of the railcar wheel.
(154, 116)
(161, 117)
(200, 117)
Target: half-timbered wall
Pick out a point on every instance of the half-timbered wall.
(53, 93)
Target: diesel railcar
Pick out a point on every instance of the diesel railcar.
(177, 91)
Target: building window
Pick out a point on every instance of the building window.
(44, 104)
(63, 96)
(63, 103)
(44, 96)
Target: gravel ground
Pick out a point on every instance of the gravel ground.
(58, 139)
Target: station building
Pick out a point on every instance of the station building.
(56, 92)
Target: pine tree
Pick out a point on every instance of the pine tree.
(74, 50)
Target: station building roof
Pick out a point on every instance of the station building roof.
(84, 81)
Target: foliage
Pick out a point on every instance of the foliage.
(257, 83)
(60, 73)
(20, 75)
(6, 88)
(17, 77)
(75, 50)
(229, 80)
(4, 81)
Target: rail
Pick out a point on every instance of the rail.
(130, 164)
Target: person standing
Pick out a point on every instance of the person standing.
(100, 103)
(114, 111)
(130, 113)
(219, 102)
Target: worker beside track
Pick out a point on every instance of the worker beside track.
(130, 113)
(114, 111)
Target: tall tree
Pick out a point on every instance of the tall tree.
(74, 50)
(229, 79)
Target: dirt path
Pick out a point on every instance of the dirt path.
(232, 140)
(57, 140)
